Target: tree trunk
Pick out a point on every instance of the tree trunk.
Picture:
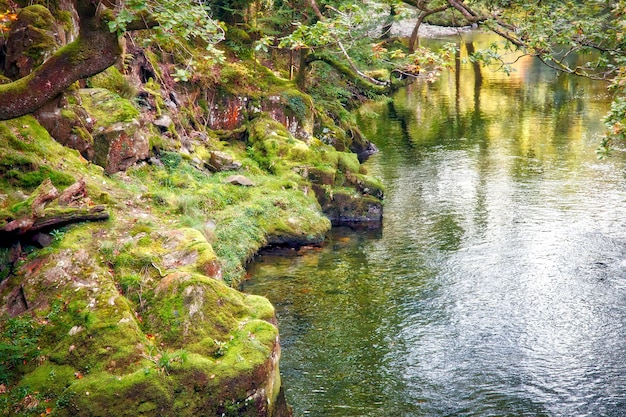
(423, 15)
(94, 50)
(303, 68)
(377, 87)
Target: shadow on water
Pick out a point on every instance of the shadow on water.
(497, 286)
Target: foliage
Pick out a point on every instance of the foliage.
(18, 345)
(185, 27)
(5, 22)
(581, 38)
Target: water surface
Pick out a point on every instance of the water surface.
(497, 286)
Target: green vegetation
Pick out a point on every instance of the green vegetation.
(227, 136)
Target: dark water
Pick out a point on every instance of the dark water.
(497, 286)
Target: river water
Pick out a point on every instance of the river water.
(497, 285)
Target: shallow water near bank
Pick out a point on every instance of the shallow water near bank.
(497, 285)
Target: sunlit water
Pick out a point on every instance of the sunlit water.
(497, 286)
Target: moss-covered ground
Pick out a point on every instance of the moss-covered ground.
(137, 315)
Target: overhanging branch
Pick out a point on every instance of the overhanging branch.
(94, 50)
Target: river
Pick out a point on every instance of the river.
(497, 285)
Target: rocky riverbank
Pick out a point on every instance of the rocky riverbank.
(129, 207)
(135, 313)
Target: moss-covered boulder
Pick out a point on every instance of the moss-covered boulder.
(345, 192)
(117, 139)
(69, 123)
(168, 344)
(294, 110)
(31, 40)
(344, 206)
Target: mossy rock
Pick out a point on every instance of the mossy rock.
(101, 357)
(346, 206)
(118, 141)
(107, 107)
(29, 155)
(113, 80)
(31, 40)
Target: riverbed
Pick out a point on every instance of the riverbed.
(497, 285)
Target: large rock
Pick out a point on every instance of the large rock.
(346, 207)
(99, 124)
(292, 109)
(119, 146)
(118, 140)
(31, 40)
(69, 124)
(147, 335)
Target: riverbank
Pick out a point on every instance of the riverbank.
(133, 311)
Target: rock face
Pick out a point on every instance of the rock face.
(119, 146)
(31, 40)
(117, 139)
(227, 112)
(291, 108)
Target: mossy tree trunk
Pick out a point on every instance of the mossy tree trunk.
(94, 50)
(424, 11)
(378, 87)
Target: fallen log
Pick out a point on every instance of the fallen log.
(52, 218)
(40, 213)
(75, 215)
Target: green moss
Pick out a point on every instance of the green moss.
(139, 393)
(235, 73)
(37, 16)
(154, 89)
(113, 80)
(299, 103)
(348, 162)
(30, 155)
(33, 178)
(82, 133)
(106, 107)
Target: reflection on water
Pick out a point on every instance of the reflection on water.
(497, 286)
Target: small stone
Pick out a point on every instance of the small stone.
(163, 122)
(75, 330)
(239, 180)
(169, 103)
(221, 161)
(42, 240)
(156, 161)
